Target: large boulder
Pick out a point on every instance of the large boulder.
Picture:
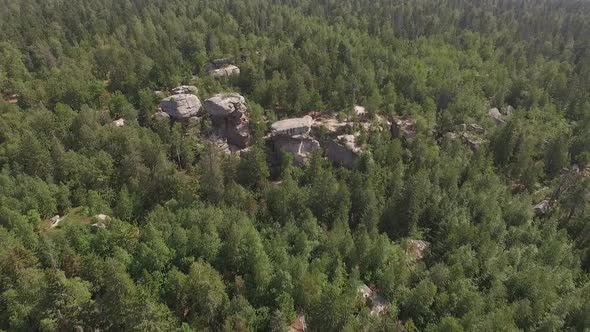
(226, 71)
(181, 106)
(344, 151)
(228, 113)
(224, 104)
(293, 126)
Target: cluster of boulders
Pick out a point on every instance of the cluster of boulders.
(227, 111)
(338, 138)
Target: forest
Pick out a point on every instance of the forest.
(440, 181)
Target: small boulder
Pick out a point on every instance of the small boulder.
(55, 220)
(495, 114)
(119, 122)
(542, 207)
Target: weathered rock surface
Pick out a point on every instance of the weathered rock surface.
(344, 151)
(161, 115)
(185, 89)
(224, 104)
(228, 113)
(403, 127)
(181, 106)
(226, 71)
(373, 300)
(416, 249)
(542, 207)
(300, 146)
(119, 122)
(222, 68)
(293, 126)
(495, 114)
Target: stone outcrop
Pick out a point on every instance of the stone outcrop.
(228, 113)
(224, 104)
(55, 220)
(292, 136)
(293, 126)
(181, 106)
(344, 151)
(403, 127)
(373, 300)
(298, 325)
(119, 122)
(416, 249)
(226, 71)
(185, 89)
(495, 115)
(299, 146)
(542, 207)
(222, 68)
(470, 134)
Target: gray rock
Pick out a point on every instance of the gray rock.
(403, 127)
(476, 128)
(223, 104)
(293, 126)
(226, 71)
(119, 122)
(228, 113)
(185, 89)
(161, 115)
(542, 207)
(181, 106)
(344, 151)
(300, 146)
(495, 114)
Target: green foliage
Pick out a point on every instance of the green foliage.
(199, 240)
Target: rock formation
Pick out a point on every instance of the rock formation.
(228, 113)
(373, 300)
(542, 207)
(292, 136)
(416, 249)
(403, 127)
(222, 68)
(181, 106)
(293, 126)
(344, 151)
(495, 114)
(185, 89)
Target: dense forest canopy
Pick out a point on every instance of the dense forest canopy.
(476, 218)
